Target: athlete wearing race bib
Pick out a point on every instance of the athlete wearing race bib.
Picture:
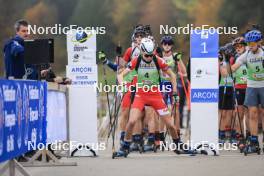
(240, 78)
(226, 95)
(254, 60)
(173, 60)
(147, 66)
(148, 83)
(130, 79)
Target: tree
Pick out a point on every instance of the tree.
(124, 17)
(94, 13)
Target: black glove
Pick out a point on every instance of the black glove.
(102, 57)
(119, 50)
(177, 56)
(227, 58)
(220, 57)
(230, 50)
(176, 97)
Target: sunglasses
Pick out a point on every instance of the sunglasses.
(148, 55)
(239, 46)
(252, 44)
(169, 44)
(139, 35)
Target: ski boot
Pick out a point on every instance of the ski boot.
(162, 142)
(122, 137)
(123, 151)
(138, 144)
(150, 146)
(234, 137)
(252, 146)
(222, 137)
(133, 147)
(222, 141)
(247, 135)
(182, 148)
(119, 154)
(157, 140)
(241, 143)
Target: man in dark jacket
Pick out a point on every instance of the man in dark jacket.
(14, 51)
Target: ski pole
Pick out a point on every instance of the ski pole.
(236, 103)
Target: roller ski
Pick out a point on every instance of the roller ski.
(122, 152)
(252, 147)
(185, 152)
(205, 149)
(182, 148)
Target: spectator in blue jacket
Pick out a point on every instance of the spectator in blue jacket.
(15, 67)
(14, 52)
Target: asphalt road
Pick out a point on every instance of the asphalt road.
(157, 164)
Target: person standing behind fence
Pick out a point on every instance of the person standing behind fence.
(14, 51)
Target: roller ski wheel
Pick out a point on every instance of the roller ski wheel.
(119, 154)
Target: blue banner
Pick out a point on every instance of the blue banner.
(23, 109)
(204, 44)
(204, 95)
